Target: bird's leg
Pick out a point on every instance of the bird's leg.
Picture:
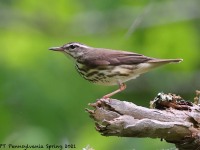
(122, 86)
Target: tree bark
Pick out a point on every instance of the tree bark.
(171, 118)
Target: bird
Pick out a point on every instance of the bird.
(109, 67)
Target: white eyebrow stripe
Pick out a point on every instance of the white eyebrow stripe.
(77, 44)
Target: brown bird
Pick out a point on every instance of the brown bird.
(109, 67)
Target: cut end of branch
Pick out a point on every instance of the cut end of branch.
(171, 118)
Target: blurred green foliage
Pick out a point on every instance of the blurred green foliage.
(42, 97)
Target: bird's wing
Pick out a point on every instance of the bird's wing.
(101, 57)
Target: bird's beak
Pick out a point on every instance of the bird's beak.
(56, 48)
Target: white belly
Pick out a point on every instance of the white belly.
(115, 74)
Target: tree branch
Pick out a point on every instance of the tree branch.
(170, 118)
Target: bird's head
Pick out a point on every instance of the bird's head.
(73, 49)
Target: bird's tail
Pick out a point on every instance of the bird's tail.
(154, 63)
(166, 61)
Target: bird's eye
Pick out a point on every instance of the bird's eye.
(72, 46)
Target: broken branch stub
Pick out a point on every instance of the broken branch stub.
(177, 121)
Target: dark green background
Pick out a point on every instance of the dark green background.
(42, 97)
